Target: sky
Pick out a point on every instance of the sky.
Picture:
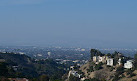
(85, 23)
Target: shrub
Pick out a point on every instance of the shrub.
(98, 66)
(90, 69)
(93, 79)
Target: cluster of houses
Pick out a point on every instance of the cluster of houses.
(110, 61)
(73, 72)
(128, 64)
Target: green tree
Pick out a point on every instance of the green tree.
(44, 78)
(98, 66)
(3, 69)
(95, 52)
(73, 78)
(91, 69)
(93, 79)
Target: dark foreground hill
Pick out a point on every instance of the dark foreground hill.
(17, 65)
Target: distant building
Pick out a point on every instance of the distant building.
(71, 67)
(15, 68)
(18, 79)
(49, 54)
(39, 55)
(110, 61)
(2, 60)
(128, 64)
(76, 61)
(21, 53)
(82, 49)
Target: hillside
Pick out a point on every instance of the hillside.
(16, 58)
(106, 67)
(106, 73)
(30, 68)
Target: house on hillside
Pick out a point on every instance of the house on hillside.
(98, 59)
(104, 59)
(15, 68)
(110, 61)
(74, 73)
(71, 67)
(94, 58)
(128, 64)
(119, 61)
(2, 60)
(18, 79)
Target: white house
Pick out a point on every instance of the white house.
(74, 73)
(128, 64)
(110, 61)
(95, 58)
(98, 59)
(82, 79)
(71, 67)
(15, 68)
(104, 59)
(119, 61)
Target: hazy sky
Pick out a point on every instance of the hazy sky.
(94, 23)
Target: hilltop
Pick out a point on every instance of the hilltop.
(106, 67)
